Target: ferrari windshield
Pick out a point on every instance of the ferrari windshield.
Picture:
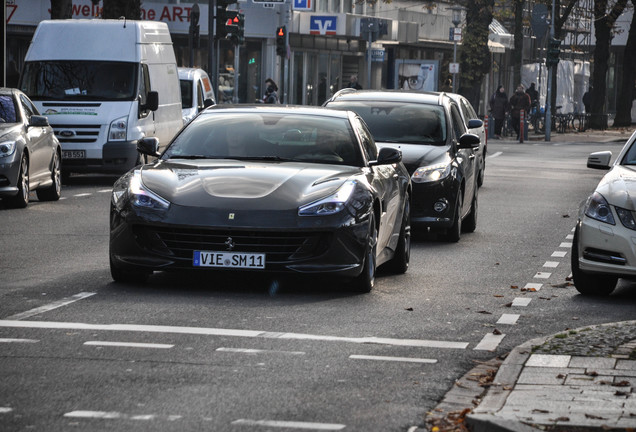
(400, 122)
(80, 80)
(268, 136)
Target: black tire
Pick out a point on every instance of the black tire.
(21, 199)
(53, 192)
(399, 264)
(127, 275)
(482, 172)
(365, 282)
(66, 176)
(470, 223)
(589, 283)
(454, 232)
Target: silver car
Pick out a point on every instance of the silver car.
(29, 152)
(604, 245)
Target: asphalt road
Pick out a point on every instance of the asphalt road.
(245, 353)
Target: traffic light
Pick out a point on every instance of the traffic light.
(281, 41)
(238, 36)
(222, 17)
(554, 49)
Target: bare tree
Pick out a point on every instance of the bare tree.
(115, 9)
(627, 92)
(61, 9)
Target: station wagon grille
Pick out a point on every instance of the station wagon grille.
(278, 246)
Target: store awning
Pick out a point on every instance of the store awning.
(496, 47)
(500, 35)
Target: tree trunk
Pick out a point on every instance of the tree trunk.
(61, 9)
(115, 9)
(603, 24)
(626, 93)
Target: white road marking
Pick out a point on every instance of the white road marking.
(566, 245)
(535, 286)
(82, 195)
(569, 237)
(559, 254)
(51, 306)
(105, 190)
(94, 414)
(231, 332)
(521, 301)
(490, 342)
(143, 417)
(551, 264)
(289, 424)
(494, 155)
(128, 344)
(395, 359)
(8, 340)
(509, 319)
(542, 275)
(258, 351)
(5, 410)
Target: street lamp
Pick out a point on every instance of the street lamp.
(456, 20)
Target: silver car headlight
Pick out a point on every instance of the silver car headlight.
(7, 148)
(139, 195)
(598, 208)
(330, 205)
(431, 173)
(626, 217)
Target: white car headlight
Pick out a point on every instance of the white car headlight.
(597, 208)
(139, 195)
(431, 173)
(330, 205)
(7, 148)
(118, 129)
(626, 217)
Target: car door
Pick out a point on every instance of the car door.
(466, 158)
(37, 142)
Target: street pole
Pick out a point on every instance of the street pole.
(212, 68)
(456, 20)
(454, 61)
(548, 113)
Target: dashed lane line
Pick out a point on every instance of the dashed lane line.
(114, 415)
(9, 340)
(551, 264)
(521, 302)
(559, 254)
(509, 319)
(290, 424)
(49, 307)
(533, 286)
(394, 359)
(5, 410)
(542, 275)
(490, 342)
(423, 343)
(128, 344)
(258, 351)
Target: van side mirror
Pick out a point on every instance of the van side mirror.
(152, 102)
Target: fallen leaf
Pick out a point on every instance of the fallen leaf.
(409, 309)
(498, 295)
(545, 298)
(620, 393)
(591, 373)
(568, 278)
(496, 332)
(592, 416)
(560, 376)
(485, 312)
(509, 304)
(566, 216)
(562, 419)
(540, 411)
(622, 384)
(514, 287)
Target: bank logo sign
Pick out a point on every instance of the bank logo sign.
(323, 25)
(302, 4)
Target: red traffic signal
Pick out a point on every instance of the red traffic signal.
(281, 41)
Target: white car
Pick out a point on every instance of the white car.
(196, 92)
(475, 126)
(604, 246)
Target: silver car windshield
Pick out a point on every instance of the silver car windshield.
(400, 122)
(263, 136)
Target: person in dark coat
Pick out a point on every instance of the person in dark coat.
(271, 95)
(519, 101)
(534, 95)
(587, 100)
(353, 82)
(499, 108)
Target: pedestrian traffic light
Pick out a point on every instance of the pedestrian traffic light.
(221, 17)
(281, 41)
(238, 37)
(554, 49)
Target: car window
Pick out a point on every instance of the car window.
(399, 122)
(28, 108)
(306, 138)
(8, 113)
(186, 93)
(200, 97)
(630, 156)
(368, 144)
(458, 124)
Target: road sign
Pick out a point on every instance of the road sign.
(377, 54)
(453, 68)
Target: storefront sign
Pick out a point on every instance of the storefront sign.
(377, 54)
(323, 25)
(303, 5)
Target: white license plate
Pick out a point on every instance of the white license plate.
(229, 260)
(73, 154)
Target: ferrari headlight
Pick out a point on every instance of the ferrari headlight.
(139, 195)
(597, 208)
(330, 205)
(7, 148)
(626, 217)
(431, 173)
(117, 131)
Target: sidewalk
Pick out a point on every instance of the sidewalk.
(590, 135)
(579, 380)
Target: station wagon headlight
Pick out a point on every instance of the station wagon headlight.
(7, 148)
(330, 205)
(597, 208)
(117, 130)
(431, 173)
(139, 195)
(626, 217)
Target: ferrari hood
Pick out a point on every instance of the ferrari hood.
(619, 187)
(242, 184)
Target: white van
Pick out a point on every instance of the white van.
(196, 92)
(104, 84)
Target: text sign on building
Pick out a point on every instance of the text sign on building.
(323, 25)
(377, 54)
(302, 5)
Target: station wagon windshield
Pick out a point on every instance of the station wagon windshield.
(80, 80)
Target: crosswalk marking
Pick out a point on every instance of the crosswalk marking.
(490, 342)
(51, 306)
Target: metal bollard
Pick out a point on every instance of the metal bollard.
(521, 123)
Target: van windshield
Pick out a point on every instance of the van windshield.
(80, 80)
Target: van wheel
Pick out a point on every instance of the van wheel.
(589, 283)
(21, 199)
(53, 192)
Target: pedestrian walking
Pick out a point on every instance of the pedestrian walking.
(534, 95)
(520, 100)
(271, 89)
(353, 82)
(587, 100)
(499, 107)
